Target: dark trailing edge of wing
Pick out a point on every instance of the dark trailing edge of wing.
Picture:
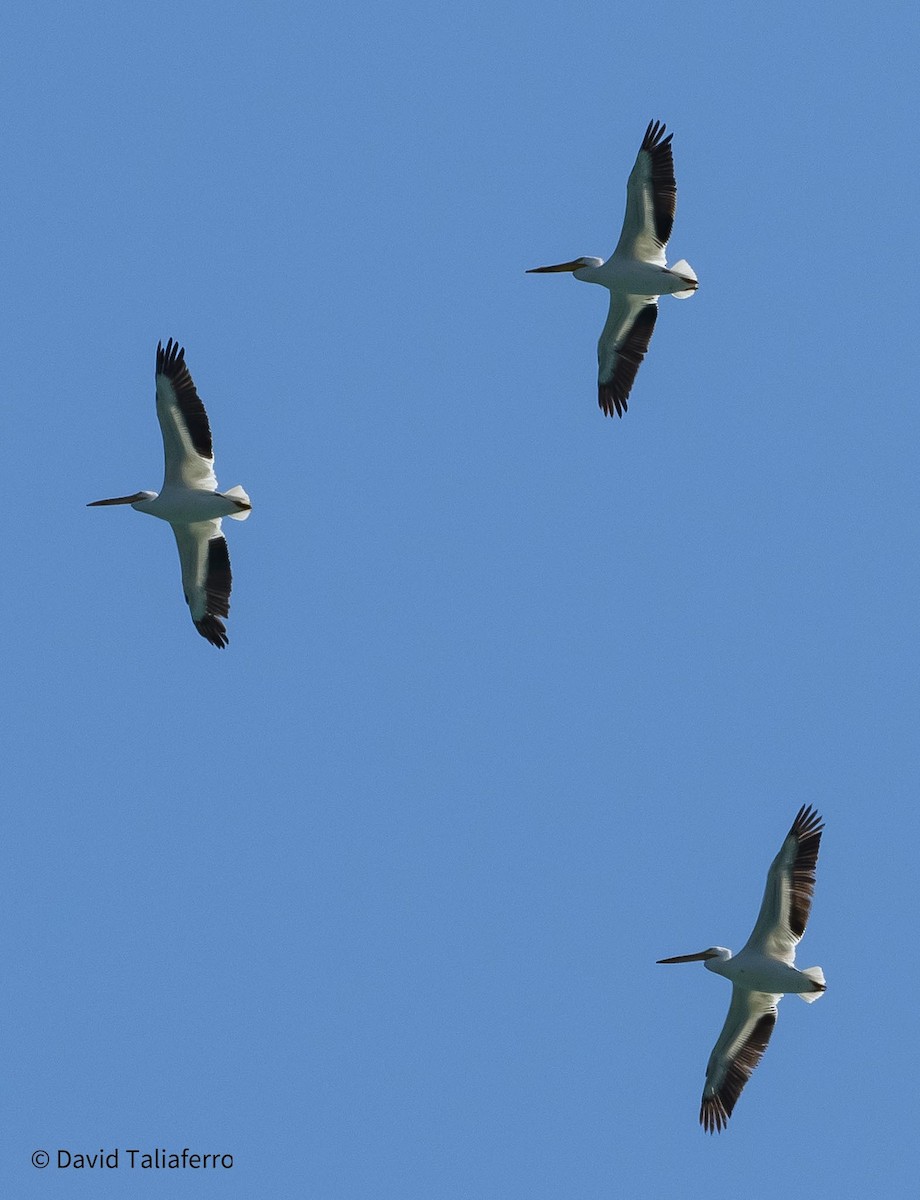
(806, 828)
(613, 393)
(664, 185)
(717, 1108)
(171, 363)
(217, 583)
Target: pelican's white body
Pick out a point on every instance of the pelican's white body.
(626, 275)
(187, 506)
(757, 972)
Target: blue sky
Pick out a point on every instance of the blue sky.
(518, 699)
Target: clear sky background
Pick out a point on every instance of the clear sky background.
(518, 699)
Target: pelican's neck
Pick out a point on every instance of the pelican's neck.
(144, 504)
(719, 961)
(591, 272)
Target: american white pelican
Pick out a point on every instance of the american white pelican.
(762, 972)
(636, 274)
(189, 500)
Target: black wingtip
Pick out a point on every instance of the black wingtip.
(807, 821)
(170, 358)
(213, 630)
(610, 404)
(654, 135)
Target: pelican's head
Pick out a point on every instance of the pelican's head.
(577, 264)
(703, 956)
(138, 497)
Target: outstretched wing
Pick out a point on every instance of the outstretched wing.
(744, 1037)
(187, 446)
(621, 348)
(787, 897)
(651, 199)
(206, 577)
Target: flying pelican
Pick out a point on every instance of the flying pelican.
(762, 972)
(190, 501)
(636, 274)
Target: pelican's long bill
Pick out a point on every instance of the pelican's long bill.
(121, 500)
(568, 266)
(763, 971)
(701, 957)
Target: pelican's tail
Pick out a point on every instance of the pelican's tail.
(238, 496)
(816, 975)
(685, 271)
